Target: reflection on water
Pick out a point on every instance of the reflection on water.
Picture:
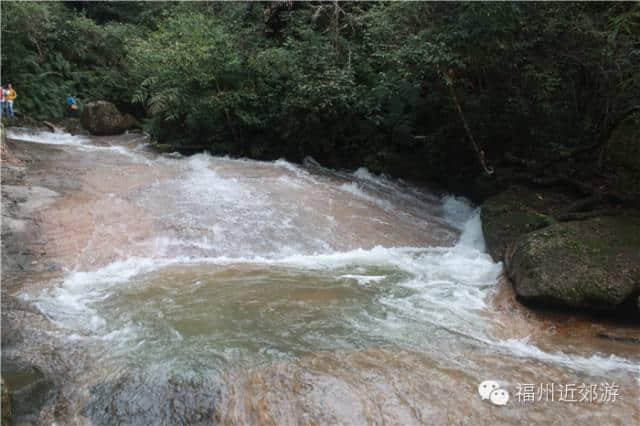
(263, 293)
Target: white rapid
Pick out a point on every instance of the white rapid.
(306, 295)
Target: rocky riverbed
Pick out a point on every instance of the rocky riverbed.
(73, 214)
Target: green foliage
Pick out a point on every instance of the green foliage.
(50, 52)
(346, 82)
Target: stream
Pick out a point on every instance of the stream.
(215, 290)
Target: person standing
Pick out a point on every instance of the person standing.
(72, 106)
(10, 96)
(2, 105)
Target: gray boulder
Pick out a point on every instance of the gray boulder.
(103, 118)
(514, 212)
(592, 264)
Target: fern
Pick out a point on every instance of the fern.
(162, 102)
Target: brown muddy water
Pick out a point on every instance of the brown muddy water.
(199, 290)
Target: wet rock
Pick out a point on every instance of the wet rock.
(31, 365)
(7, 410)
(137, 401)
(163, 147)
(592, 264)
(623, 339)
(29, 199)
(73, 126)
(103, 118)
(6, 155)
(514, 212)
(20, 205)
(30, 391)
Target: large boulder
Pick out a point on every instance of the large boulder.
(103, 118)
(592, 264)
(516, 211)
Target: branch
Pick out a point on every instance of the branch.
(480, 153)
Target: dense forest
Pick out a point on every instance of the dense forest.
(439, 92)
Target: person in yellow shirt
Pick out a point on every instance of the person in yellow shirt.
(10, 96)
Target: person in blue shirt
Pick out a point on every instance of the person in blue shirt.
(72, 106)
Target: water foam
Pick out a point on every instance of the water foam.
(43, 137)
(81, 289)
(354, 189)
(594, 364)
(81, 143)
(444, 287)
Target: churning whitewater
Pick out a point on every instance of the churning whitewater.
(331, 288)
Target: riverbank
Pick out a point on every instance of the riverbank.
(39, 235)
(32, 371)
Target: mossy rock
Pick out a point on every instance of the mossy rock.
(103, 118)
(592, 264)
(514, 212)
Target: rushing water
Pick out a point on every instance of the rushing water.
(253, 292)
